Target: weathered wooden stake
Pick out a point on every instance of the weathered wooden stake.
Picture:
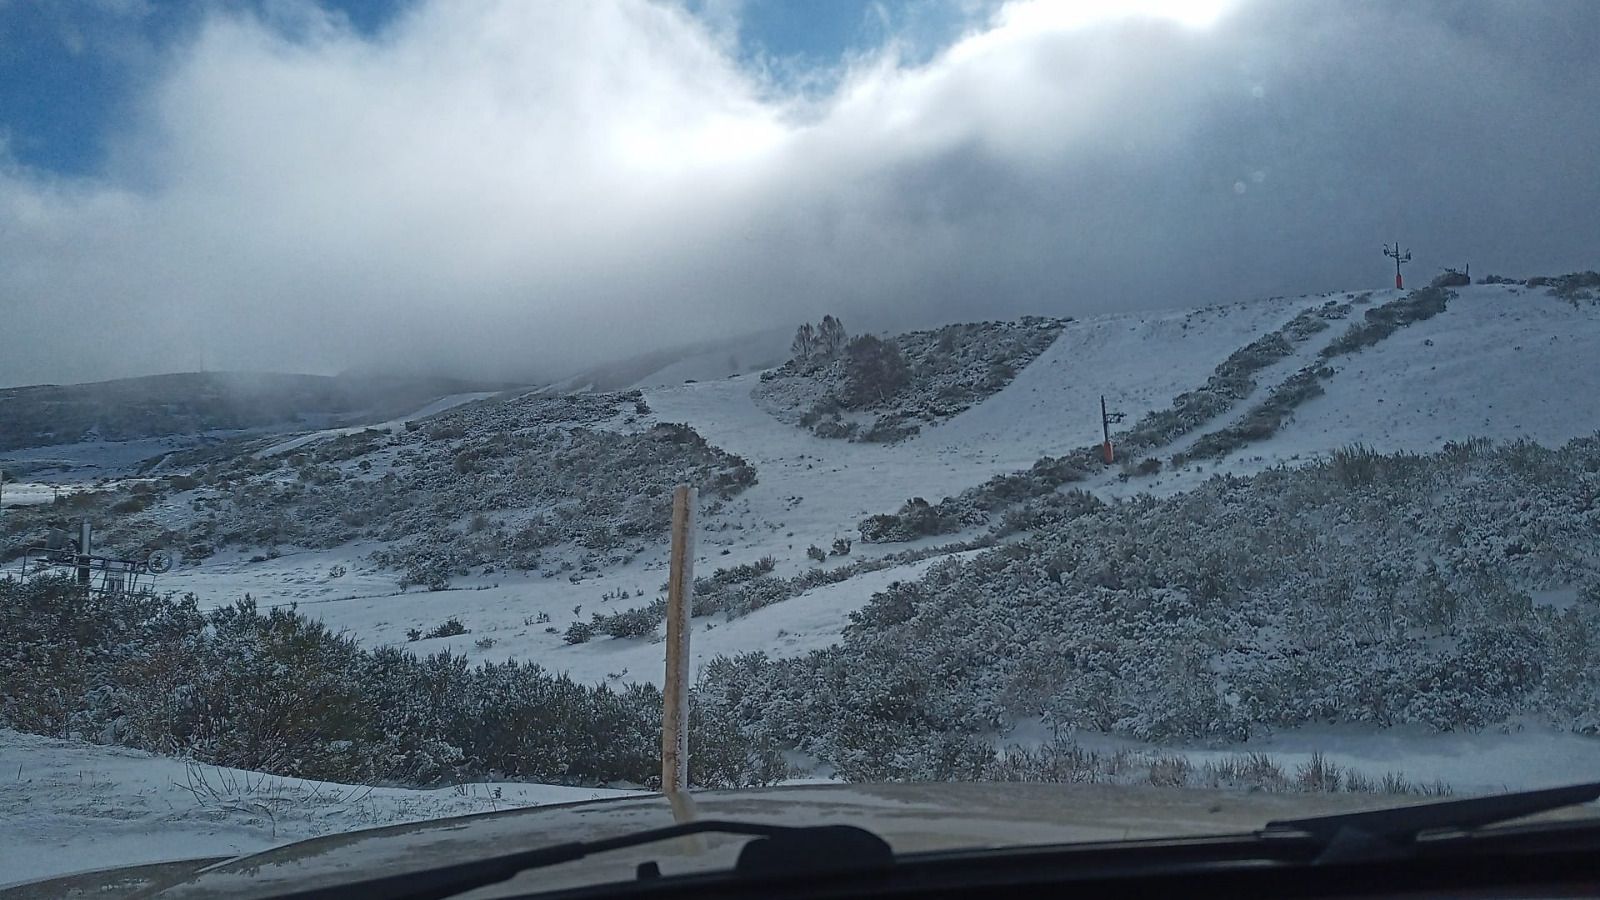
(675, 690)
(85, 542)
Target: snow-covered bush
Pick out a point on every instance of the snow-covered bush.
(1035, 490)
(1399, 595)
(895, 385)
(746, 588)
(1572, 287)
(1262, 420)
(438, 494)
(874, 372)
(276, 692)
(448, 628)
(914, 519)
(1382, 321)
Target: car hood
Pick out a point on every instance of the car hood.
(911, 817)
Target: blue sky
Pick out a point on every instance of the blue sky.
(70, 70)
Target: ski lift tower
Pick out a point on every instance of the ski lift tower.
(1398, 257)
(97, 574)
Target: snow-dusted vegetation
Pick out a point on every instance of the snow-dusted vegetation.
(741, 590)
(879, 391)
(273, 691)
(1574, 287)
(1454, 591)
(488, 485)
(1233, 380)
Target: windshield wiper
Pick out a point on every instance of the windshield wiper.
(779, 850)
(1390, 833)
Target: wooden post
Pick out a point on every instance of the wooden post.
(1105, 428)
(675, 690)
(85, 539)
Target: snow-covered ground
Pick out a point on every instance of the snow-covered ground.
(1485, 367)
(27, 493)
(1502, 362)
(69, 806)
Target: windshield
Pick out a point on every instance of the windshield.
(421, 409)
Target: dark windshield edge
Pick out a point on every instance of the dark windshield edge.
(824, 850)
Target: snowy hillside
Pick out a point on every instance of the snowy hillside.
(1483, 368)
(1463, 373)
(874, 390)
(1379, 530)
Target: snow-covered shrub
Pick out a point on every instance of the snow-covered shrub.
(1354, 465)
(534, 455)
(913, 378)
(631, 623)
(1290, 597)
(1024, 495)
(834, 429)
(276, 692)
(1382, 321)
(874, 372)
(916, 518)
(744, 589)
(1060, 760)
(1231, 381)
(448, 628)
(1571, 287)
(1262, 420)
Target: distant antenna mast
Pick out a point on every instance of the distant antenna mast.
(1398, 257)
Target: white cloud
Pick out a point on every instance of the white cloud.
(526, 186)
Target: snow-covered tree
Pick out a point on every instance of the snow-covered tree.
(831, 337)
(805, 343)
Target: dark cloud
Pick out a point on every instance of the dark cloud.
(526, 188)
